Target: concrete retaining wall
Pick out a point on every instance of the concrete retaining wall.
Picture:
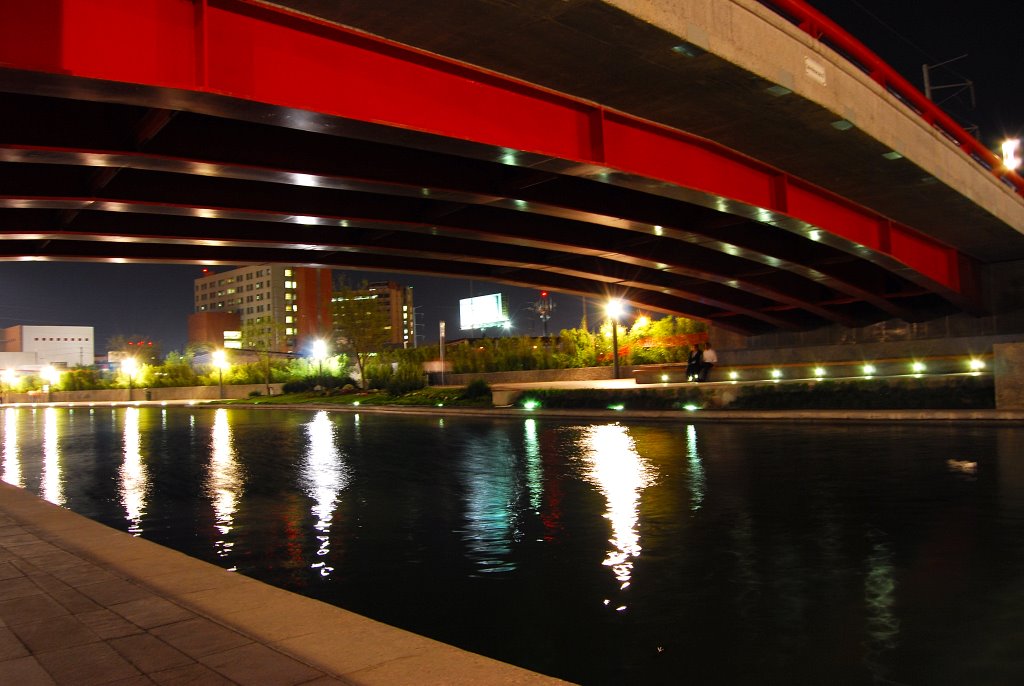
(581, 374)
(114, 395)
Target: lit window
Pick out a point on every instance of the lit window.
(288, 272)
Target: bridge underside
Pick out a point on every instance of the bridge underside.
(104, 170)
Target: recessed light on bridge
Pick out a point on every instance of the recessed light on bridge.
(305, 180)
(819, 373)
(778, 91)
(814, 235)
(892, 155)
(658, 230)
(687, 50)
(842, 125)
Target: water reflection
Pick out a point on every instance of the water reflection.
(324, 476)
(492, 487)
(224, 484)
(134, 479)
(534, 471)
(12, 465)
(615, 467)
(697, 478)
(883, 625)
(52, 487)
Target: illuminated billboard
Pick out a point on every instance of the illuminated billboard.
(483, 312)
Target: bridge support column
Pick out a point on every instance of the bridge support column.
(1008, 370)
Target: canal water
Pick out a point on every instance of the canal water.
(609, 552)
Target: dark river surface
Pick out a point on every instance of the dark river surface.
(612, 552)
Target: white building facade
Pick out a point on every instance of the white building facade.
(62, 346)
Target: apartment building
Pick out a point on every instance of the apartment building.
(279, 307)
(397, 302)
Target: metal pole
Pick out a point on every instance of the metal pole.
(615, 344)
(442, 350)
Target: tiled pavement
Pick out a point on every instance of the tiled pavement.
(82, 604)
(66, 620)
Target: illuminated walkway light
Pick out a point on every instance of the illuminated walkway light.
(976, 365)
(869, 369)
(918, 367)
(819, 372)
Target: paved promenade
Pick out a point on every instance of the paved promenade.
(83, 604)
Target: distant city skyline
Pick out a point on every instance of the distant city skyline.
(154, 300)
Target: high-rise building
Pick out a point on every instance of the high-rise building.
(396, 301)
(279, 308)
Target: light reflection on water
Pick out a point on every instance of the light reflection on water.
(736, 554)
(12, 467)
(224, 484)
(53, 487)
(134, 481)
(621, 474)
(325, 476)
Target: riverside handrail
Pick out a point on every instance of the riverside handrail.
(820, 27)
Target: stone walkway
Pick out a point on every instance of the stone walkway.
(83, 604)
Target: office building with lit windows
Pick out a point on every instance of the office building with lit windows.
(396, 301)
(279, 308)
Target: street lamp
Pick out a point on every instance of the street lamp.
(614, 310)
(1011, 153)
(319, 353)
(10, 379)
(52, 377)
(129, 366)
(220, 361)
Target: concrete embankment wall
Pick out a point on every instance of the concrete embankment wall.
(534, 375)
(115, 395)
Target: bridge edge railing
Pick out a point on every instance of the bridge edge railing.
(820, 27)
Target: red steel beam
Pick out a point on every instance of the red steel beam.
(252, 51)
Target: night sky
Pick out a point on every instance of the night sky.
(154, 301)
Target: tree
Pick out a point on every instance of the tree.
(361, 325)
(265, 338)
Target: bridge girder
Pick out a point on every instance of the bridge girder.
(103, 169)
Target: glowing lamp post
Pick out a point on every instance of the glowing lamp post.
(220, 361)
(614, 310)
(52, 377)
(10, 379)
(129, 366)
(319, 353)
(1011, 153)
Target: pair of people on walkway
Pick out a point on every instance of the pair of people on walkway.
(700, 362)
